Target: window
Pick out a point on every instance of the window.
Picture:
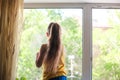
(36, 22)
(90, 38)
(106, 44)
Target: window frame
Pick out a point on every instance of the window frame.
(86, 27)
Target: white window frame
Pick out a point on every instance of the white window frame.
(86, 28)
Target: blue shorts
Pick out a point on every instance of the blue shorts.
(59, 78)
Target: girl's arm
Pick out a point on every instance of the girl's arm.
(40, 56)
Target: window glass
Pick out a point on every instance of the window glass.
(34, 34)
(106, 44)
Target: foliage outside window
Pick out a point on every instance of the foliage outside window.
(34, 34)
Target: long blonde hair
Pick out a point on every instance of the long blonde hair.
(54, 48)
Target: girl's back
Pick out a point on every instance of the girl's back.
(60, 69)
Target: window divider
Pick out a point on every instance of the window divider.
(87, 44)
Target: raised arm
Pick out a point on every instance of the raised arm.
(40, 56)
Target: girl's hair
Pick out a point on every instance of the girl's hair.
(54, 48)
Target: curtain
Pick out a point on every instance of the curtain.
(10, 28)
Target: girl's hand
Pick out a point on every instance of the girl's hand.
(40, 55)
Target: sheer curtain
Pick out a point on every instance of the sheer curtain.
(10, 27)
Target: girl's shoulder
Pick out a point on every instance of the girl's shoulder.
(44, 46)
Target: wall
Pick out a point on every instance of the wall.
(71, 1)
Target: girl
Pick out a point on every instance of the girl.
(51, 55)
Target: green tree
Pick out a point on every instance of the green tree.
(54, 15)
(108, 63)
(33, 35)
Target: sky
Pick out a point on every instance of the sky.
(100, 17)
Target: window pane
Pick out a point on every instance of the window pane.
(34, 34)
(106, 44)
